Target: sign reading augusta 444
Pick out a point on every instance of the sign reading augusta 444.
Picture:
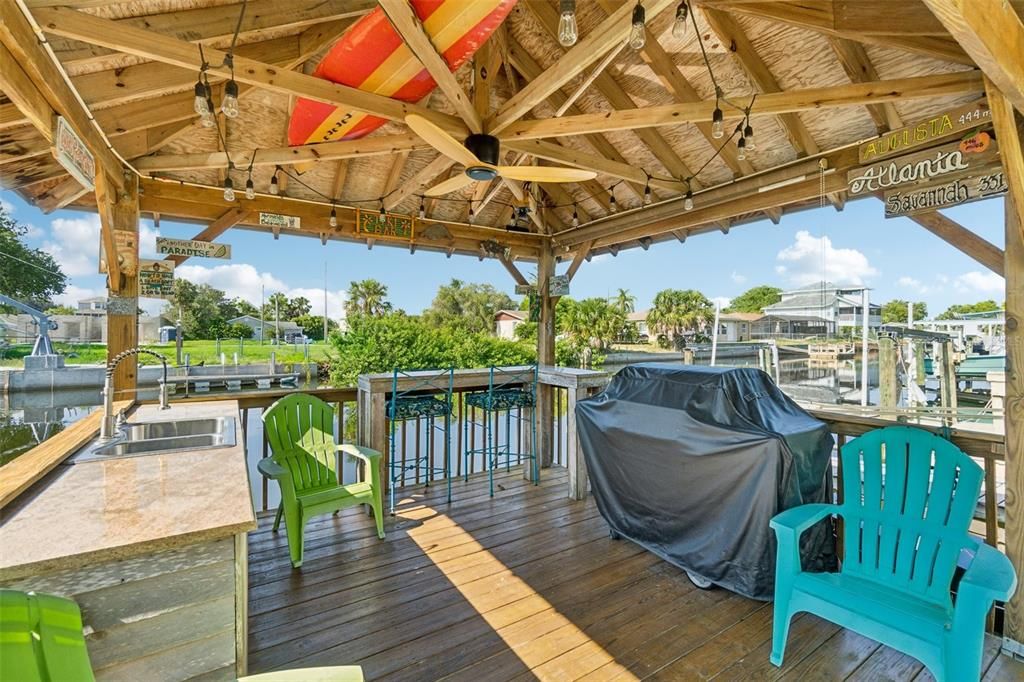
(934, 129)
(932, 196)
(191, 247)
(156, 278)
(71, 152)
(956, 158)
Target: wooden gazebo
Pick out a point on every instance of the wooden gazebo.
(834, 90)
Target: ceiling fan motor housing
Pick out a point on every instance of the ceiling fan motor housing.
(485, 148)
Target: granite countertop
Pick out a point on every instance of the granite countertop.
(102, 510)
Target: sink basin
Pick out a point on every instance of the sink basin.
(149, 438)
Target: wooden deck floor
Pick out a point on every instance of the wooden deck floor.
(526, 585)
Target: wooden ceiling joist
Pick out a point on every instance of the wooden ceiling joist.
(858, 67)
(992, 33)
(424, 178)
(149, 45)
(20, 89)
(229, 219)
(773, 104)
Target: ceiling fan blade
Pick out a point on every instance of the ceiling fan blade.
(441, 141)
(545, 173)
(450, 185)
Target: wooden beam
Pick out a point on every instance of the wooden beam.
(149, 45)
(17, 35)
(577, 260)
(855, 61)
(424, 177)
(408, 26)
(962, 239)
(992, 33)
(513, 270)
(231, 217)
(822, 16)
(773, 104)
(340, 175)
(486, 63)
(379, 145)
(1013, 627)
(395, 174)
(1011, 151)
(587, 51)
(60, 195)
(120, 214)
(24, 94)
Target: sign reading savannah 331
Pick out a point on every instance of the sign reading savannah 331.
(388, 226)
(190, 247)
(71, 152)
(934, 129)
(156, 278)
(932, 196)
(925, 166)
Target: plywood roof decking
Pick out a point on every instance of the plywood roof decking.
(526, 585)
(796, 56)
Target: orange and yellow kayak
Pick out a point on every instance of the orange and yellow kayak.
(371, 56)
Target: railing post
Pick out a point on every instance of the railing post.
(574, 460)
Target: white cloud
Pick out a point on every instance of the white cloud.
(912, 284)
(73, 294)
(240, 280)
(780, 270)
(74, 244)
(981, 282)
(7, 206)
(721, 301)
(738, 278)
(805, 257)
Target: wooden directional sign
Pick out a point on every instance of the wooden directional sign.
(71, 152)
(192, 247)
(948, 123)
(156, 278)
(932, 196)
(388, 226)
(939, 163)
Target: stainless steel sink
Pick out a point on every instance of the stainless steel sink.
(148, 438)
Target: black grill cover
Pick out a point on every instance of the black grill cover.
(692, 463)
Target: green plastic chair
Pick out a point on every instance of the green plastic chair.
(305, 462)
(41, 639)
(908, 500)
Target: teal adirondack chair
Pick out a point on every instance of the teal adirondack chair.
(305, 463)
(41, 639)
(908, 499)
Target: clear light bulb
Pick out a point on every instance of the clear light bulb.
(207, 120)
(568, 31)
(199, 104)
(575, 218)
(471, 214)
(716, 124)
(647, 195)
(250, 189)
(637, 34)
(679, 24)
(613, 205)
(274, 189)
(423, 210)
(334, 218)
(229, 190)
(748, 133)
(741, 148)
(229, 105)
(688, 202)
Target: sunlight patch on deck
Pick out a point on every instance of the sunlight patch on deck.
(529, 625)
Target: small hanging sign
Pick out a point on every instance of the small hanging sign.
(929, 197)
(288, 222)
(156, 278)
(373, 225)
(946, 124)
(558, 285)
(71, 152)
(191, 247)
(926, 166)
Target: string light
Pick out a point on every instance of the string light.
(200, 105)
(203, 103)
(679, 24)
(274, 189)
(613, 206)
(741, 148)
(383, 213)
(688, 201)
(568, 31)
(748, 134)
(575, 216)
(423, 209)
(334, 218)
(250, 189)
(471, 214)
(638, 34)
(647, 192)
(229, 105)
(229, 189)
(716, 122)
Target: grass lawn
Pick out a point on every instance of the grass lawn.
(199, 351)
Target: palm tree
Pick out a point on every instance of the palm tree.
(677, 311)
(624, 301)
(368, 297)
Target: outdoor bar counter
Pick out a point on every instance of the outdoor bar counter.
(152, 547)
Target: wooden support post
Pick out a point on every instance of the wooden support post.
(919, 362)
(545, 355)
(574, 460)
(947, 376)
(119, 215)
(887, 381)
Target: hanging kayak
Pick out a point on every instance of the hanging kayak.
(372, 57)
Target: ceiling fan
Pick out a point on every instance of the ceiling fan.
(480, 156)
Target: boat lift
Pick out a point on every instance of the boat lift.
(43, 345)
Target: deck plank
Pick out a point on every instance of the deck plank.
(525, 585)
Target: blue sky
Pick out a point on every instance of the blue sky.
(897, 258)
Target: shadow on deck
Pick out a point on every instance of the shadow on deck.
(526, 585)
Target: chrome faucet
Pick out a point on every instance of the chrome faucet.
(112, 423)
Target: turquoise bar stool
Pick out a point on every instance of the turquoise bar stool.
(424, 394)
(511, 391)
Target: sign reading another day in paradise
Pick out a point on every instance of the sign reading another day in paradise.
(955, 158)
(951, 122)
(71, 152)
(156, 278)
(921, 198)
(191, 247)
(288, 222)
(389, 226)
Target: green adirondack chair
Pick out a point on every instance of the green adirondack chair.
(909, 497)
(305, 463)
(41, 639)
